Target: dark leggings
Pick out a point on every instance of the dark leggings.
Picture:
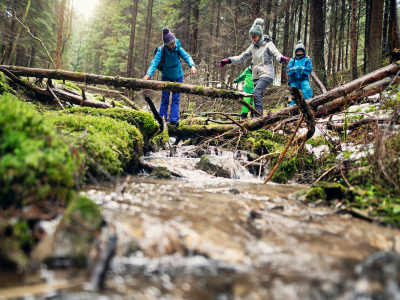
(259, 87)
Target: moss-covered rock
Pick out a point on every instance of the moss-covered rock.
(141, 119)
(333, 190)
(161, 173)
(35, 163)
(114, 145)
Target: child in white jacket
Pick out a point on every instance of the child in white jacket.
(262, 50)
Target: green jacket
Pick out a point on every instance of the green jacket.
(247, 76)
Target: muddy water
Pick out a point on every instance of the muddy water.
(204, 237)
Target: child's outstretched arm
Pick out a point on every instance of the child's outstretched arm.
(242, 57)
(189, 60)
(275, 52)
(241, 77)
(154, 64)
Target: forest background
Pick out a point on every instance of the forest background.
(345, 39)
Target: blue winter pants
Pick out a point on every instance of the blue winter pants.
(305, 87)
(174, 112)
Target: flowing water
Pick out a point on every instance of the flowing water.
(204, 237)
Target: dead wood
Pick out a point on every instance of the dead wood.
(353, 125)
(132, 83)
(63, 95)
(154, 110)
(318, 82)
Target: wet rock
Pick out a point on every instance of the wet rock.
(332, 190)
(221, 166)
(73, 238)
(252, 156)
(161, 173)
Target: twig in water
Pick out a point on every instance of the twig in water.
(284, 151)
(262, 157)
(244, 129)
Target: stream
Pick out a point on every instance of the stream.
(207, 237)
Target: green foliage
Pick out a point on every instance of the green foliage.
(4, 86)
(141, 119)
(114, 145)
(35, 164)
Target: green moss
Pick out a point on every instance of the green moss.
(35, 164)
(4, 86)
(160, 140)
(85, 209)
(223, 92)
(114, 145)
(161, 173)
(315, 194)
(141, 119)
(107, 78)
(199, 89)
(286, 170)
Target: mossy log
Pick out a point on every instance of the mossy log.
(353, 125)
(63, 95)
(185, 132)
(127, 82)
(342, 103)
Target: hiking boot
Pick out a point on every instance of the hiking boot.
(174, 123)
(244, 116)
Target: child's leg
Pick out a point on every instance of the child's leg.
(306, 89)
(174, 114)
(259, 88)
(295, 85)
(245, 110)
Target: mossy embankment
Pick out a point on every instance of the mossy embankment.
(45, 154)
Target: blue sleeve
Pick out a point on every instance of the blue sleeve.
(186, 57)
(308, 67)
(289, 67)
(154, 63)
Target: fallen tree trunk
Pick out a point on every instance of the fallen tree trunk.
(133, 83)
(341, 104)
(63, 95)
(353, 125)
(99, 90)
(185, 132)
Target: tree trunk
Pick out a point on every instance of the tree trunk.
(342, 25)
(353, 39)
(268, 16)
(256, 9)
(348, 38)
(14, 43)
(217, 37)
(196, 14)
(275, 20)
(285, 46)
(330, 41)
(335, 13)
(385, 32)
(300, 19)
(60, 34)
(317, 38)
(132, 39)
(147, 36)
(128, 83)
(189, 26)
(375, 39)
(306, 24)
(395, 32)
(366, 33)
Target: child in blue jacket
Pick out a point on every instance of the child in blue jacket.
(299, 68)
(172, 71)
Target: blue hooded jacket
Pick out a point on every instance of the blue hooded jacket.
(172, 63)
(299, 69)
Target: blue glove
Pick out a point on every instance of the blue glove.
(294, 69)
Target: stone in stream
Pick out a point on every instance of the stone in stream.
(222, 166)
(161, 173)
(321, 190)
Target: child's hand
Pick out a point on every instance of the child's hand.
(224, 62)
(194, 70)
(294, 69)
(302, 69)
(147, 77)
(283, 58)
